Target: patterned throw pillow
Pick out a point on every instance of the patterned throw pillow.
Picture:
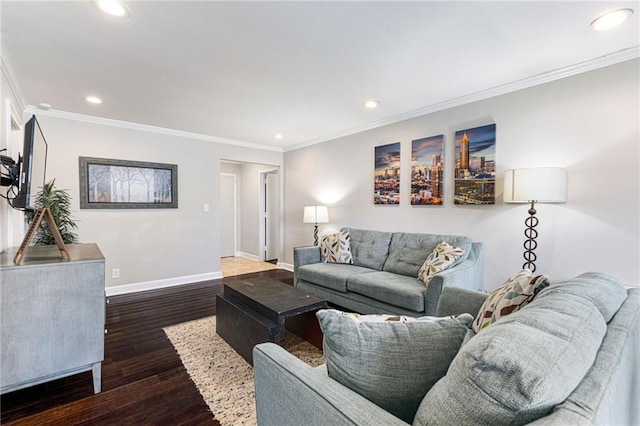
(440, 259)
(391, 360)
(336, 248)
(512, 296)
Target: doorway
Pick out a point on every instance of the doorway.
(250, 211)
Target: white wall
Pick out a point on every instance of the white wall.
(588, 123)
(149, 246)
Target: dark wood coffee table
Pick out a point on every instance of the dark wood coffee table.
(260, 309)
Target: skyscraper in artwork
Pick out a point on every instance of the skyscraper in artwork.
(464, 152)
(436, 176)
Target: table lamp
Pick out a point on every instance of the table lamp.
(534, 185)
(315, 215)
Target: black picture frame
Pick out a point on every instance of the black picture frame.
(124, 184)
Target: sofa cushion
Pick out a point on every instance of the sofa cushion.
(394, 289)
(510, 297)
(369, 248)
(336, 248)
(329, 275)
(392, 364)
(441, 258)
(522, 366)
(408, 251)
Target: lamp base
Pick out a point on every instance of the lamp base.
(315, 235)
(530, 243)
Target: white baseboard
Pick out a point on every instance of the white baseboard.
(248, 256)
(189, 279)
(286, 266)
(279, 265)
(169, 282)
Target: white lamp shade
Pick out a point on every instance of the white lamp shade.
(315, 214)
(540, 184)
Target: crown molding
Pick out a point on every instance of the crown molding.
(146, 128)
(546, 77)
(590, 65)
(19, 103)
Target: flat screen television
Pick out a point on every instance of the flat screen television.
(31, 167)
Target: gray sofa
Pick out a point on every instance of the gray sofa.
(384, 274)
(580, 337)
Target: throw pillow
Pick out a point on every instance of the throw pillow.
(336, 248)
(510, 297)
(443, 256)
(392, 361)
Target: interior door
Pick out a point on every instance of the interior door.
(272, 210)
(227, 215)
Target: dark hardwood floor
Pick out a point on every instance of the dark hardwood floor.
(143, 379)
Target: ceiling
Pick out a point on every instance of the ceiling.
(244, 71)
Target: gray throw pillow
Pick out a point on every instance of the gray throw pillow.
(392, 361)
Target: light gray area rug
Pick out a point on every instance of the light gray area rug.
(224, 378)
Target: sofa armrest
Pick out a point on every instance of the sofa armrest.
(468, 274)
(304, 256)
(457, 300)
(290, 392)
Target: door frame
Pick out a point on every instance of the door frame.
(235, 211)
(262, 212)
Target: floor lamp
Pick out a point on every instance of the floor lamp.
(315, 215)
(534, 185)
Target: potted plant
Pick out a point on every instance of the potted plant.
(59, 202)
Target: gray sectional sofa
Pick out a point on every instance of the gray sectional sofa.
(569, 357)
(384, 275)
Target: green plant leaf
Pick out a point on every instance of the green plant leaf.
(59, 202)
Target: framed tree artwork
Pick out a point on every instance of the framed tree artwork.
(427, 171)
(123, 184)
(475, 165)
(387, 174)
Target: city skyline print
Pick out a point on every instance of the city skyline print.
(475, 168)
(427, 171)
(387, 174)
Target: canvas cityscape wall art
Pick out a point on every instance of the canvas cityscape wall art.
(475, 166)
(387, 174)
(427, 171)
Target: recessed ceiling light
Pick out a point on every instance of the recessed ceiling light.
(371, 104)
(278, 136)
(44, 105)
(611, 19)
(112, 7)
(93, 99)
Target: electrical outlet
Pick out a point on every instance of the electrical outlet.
(115, 273)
